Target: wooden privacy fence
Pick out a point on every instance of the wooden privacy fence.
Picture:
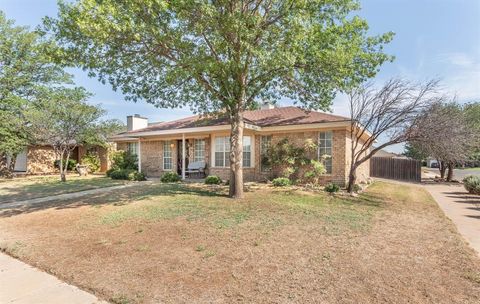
(396, 168)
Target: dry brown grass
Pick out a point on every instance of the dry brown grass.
(191, 244)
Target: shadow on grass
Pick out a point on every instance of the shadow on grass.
(118, 197)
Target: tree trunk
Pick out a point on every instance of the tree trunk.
(236, 155)
(451, 165)
(4, 169)
(63, 178)
(352, 178)
(442, 168)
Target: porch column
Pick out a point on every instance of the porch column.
(183, 156)
(139, 156)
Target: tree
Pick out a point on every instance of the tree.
(24, 69)
(444, 133)
(61, 118)
(390, 111)
(472, 112)
(221, 56)
(414, 152)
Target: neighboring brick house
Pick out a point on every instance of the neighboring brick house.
(40, 159)
(159, 146)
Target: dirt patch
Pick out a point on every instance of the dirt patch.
(177, 244)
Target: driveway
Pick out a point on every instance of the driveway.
(462, 208)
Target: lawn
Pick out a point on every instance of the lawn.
(176, 243)
(25, 188)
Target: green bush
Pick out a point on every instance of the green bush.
(472, 184)
(281, 182)
(124, 160)
(356, 188)
(126, 174)
(70, 166)
(332, 188)
(110, 171)
(213, 180)
(136, 176)
(170, 177)
(92, 161)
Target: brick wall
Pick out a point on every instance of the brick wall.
(40, 160)
(152, 156)
(363, 171)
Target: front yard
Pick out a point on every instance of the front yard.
(25, 188)
(176, 243)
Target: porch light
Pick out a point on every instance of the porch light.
(172, 145)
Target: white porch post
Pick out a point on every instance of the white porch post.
(183, 156)
(139, 156)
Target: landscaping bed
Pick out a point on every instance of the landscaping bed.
(177, 243)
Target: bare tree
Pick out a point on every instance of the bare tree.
(388, 112)
(443, 133)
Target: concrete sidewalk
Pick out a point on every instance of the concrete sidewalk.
(23, 284)
(462, 208)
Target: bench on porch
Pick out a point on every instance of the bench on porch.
(197, 167)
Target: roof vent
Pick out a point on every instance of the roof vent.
(267, 106)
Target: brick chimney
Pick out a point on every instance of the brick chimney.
(135, 122)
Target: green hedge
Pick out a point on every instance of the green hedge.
(126, 174)
(472, 184)
(332, 188)
(281, 182)
(213, 180)
(170, 177)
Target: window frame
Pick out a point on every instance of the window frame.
(167, 148)
(226, 151)
(324, 145)
(197, 158)
(133, 151)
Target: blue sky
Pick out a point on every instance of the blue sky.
(434, 39)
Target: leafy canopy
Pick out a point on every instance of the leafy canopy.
(25, 69)
(220, 55)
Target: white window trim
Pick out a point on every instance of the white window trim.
(318, 149)
(163, 155)
(195, 148)
(252, 151)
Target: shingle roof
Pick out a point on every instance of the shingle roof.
(263, 118)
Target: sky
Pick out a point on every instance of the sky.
(433, 39)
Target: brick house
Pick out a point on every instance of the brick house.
(39, 159)
(160, 147)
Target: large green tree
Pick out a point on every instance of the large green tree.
(24, 70)
(221, 56)
(61, 117)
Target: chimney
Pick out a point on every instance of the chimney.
(267, 106)
(136, 122)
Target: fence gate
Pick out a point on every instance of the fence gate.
(396, 168)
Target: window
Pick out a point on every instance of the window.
(265, 143)
(222, 151)
(247, 152)
(325, 149)
(199, 150)
(132, 148)
(167, 155)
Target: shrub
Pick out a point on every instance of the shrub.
(281, 182)
(213, 180)
(124, 160)
(314, 172)
(92, 161)
(70, 166)
(332, 188)
(170, 177)
(136, 176)
(472, 184)
(126, 174)
(109, 172)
